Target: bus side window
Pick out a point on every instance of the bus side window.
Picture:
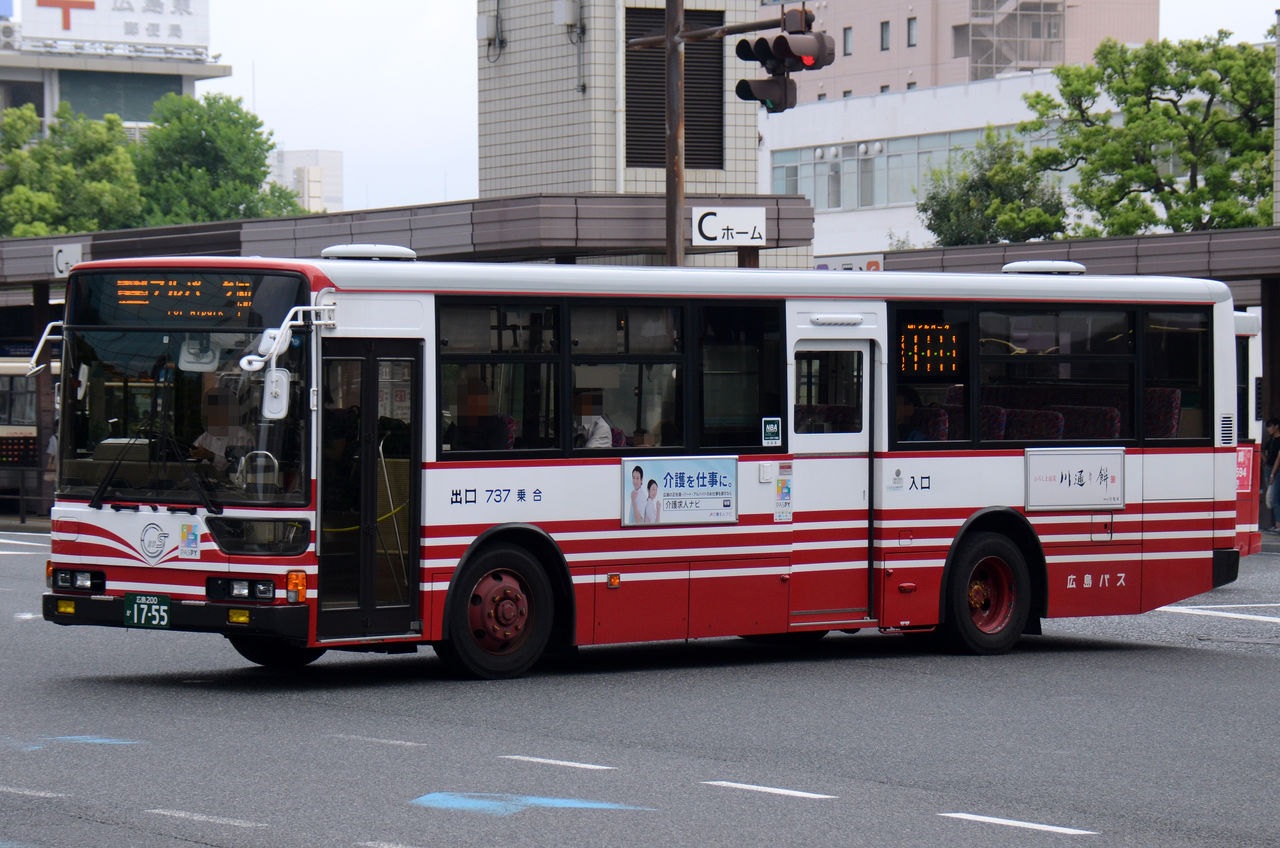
(828, 392)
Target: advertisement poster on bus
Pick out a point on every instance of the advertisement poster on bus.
(1075, 478)
(683, 490)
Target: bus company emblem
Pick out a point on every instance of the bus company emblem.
(152, 542)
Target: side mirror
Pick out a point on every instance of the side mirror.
(275, 394)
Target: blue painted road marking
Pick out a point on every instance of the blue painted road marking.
(9, 742)
(505, 805)
(90, 740)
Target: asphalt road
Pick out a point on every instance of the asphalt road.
(1159, 729)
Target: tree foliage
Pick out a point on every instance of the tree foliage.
(1164, 135)
(994, 195)
(78, 178)
(206, 160)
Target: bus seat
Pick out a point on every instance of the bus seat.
(1032, 425)
(1162, 410)
(1089, 422)
(991, 422)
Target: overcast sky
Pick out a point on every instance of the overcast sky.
(392, 83)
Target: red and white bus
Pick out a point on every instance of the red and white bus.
(504, 460)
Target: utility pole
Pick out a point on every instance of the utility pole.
(795, 49)
(674, 44)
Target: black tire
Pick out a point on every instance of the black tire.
(988, 595)
(500, 614)
(274, 653)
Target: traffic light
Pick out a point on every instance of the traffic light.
(796, 48)
(777, 93)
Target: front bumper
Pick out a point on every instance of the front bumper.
(285, 621)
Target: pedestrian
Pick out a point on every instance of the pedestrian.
(1270, 477)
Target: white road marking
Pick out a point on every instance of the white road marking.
(1216, 614)
(566, 763)
(30, 793)
(15, 553)
(772, 790)
(28, 616)
(399, 742)
(1235, 606)
(1069, 831)
(200, 817)
(381, 845)
(43, 544)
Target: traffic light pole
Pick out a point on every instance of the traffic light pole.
(675, 132)
(673, 40)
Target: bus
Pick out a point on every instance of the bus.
(363, 452)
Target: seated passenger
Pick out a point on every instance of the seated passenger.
(590, 429)
(475, 428)
(906, 402)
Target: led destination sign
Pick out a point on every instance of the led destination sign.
(182, 298)
(190, 298)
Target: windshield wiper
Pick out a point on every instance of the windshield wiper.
(166, 440)
(96, 501)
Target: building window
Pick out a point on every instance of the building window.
(822, 97)
(911, 32)
(960, 42)
(884, 35)
(884, 89)
(847, 32)
(911, 86)
(703, 94)
(846, 93)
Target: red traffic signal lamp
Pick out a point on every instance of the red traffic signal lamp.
(777, 93)
(804, 51)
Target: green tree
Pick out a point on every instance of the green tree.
(78, 178)
(206, 160)
(995, 195)
(1164, 135)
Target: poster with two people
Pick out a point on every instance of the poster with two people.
(701, 490)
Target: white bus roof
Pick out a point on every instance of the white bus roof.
(587, 280)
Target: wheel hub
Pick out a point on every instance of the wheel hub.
(991, 595)
(499, 612)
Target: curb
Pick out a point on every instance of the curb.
(41, 523)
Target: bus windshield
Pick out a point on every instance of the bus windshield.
(167, 415)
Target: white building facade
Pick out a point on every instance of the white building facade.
(863, 161)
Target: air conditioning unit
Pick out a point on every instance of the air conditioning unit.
(10, 35)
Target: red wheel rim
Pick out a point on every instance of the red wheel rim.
(991, 595)
(498, 614)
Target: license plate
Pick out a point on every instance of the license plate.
(146, 610)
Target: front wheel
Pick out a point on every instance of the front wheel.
(500, 614)
(274, 653)
(988, 595)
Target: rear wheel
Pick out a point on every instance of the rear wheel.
(274, 653)
(499, 616)
(988, 595)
